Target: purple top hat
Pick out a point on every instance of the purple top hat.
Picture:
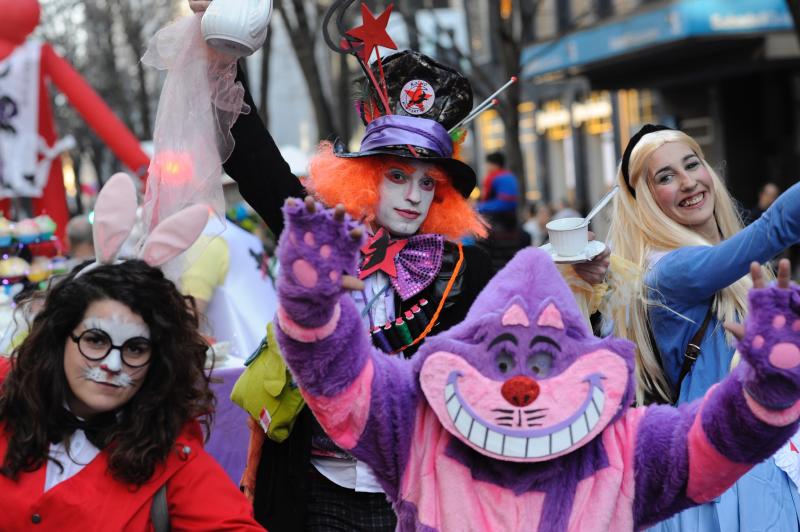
(425, 98)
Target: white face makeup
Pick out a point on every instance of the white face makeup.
(406, 193)
(102, 385)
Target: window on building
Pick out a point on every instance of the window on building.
(545, 20)
(605, 8)
(564, 16)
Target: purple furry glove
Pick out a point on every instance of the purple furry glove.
(316, 248)
(771, 347)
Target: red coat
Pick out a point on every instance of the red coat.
(200, 495)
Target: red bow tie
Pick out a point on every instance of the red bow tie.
(411, 263)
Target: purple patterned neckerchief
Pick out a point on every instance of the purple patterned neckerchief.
(411, 263)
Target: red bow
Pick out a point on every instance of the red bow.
(411, 263)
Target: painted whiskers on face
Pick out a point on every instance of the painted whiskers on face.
(120, 331)
(121, 380)
(106, 358)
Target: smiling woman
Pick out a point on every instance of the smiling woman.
(683, 188)
(675, 220)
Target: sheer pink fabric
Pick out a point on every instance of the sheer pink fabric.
(199, 103)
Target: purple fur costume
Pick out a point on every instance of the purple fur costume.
(519, 418)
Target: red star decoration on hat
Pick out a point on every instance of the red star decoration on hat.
(372, 31)
(417, 96)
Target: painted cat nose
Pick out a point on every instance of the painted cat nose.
(520, 390)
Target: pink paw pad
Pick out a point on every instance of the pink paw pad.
(758, 342)
(796, 326)
(325, 251)
(334, 276)
(308, 238)
(785, 356)
(305, 273)
(778, 321)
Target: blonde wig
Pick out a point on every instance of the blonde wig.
(639, 228)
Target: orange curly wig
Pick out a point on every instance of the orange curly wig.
(354, 183)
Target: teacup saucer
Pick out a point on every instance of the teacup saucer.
(592, 249)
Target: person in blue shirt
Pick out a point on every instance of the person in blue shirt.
(500, 193)
(676, 221)
(498, 205)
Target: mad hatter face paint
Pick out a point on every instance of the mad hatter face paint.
(406, 193)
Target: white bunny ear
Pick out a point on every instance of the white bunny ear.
(174, 235)
(114, 217)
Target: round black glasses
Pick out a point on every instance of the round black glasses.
(95, 344)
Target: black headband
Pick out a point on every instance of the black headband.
(626, 157)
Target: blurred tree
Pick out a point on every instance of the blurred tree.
(511, 27)
(302, 22)
(513, 23)
(105, 40)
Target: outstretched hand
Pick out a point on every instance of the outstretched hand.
(757, 275)
(594, 271)
(349, 282)
(318, 257)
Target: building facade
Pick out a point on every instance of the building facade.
(725, 71)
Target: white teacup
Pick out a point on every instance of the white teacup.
(568, 236)
(236, 27)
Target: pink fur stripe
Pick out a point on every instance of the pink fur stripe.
(776, 418)
(308, 335)
(344, 417)
(710, 473)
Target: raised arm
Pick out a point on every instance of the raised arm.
(264, 178)
(348, 384)
(696, 273)
(689, 456)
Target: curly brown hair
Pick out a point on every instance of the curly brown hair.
(175, 390)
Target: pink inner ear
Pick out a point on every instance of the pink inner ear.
(515, 315)
(550, 317)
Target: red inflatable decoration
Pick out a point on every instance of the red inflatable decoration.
(19, 18)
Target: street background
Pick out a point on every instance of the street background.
(591, 73)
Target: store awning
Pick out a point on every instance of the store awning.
(682, 20)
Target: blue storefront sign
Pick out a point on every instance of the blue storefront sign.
(680, 20)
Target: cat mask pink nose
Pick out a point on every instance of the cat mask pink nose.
(520, 390)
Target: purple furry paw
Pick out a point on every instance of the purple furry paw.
(771, 346)
(315, 250)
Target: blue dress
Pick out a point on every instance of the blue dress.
(685, 281)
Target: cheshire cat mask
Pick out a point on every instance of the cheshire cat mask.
(527, 386)
(518, 418)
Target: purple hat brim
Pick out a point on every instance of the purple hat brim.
(461, 174)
